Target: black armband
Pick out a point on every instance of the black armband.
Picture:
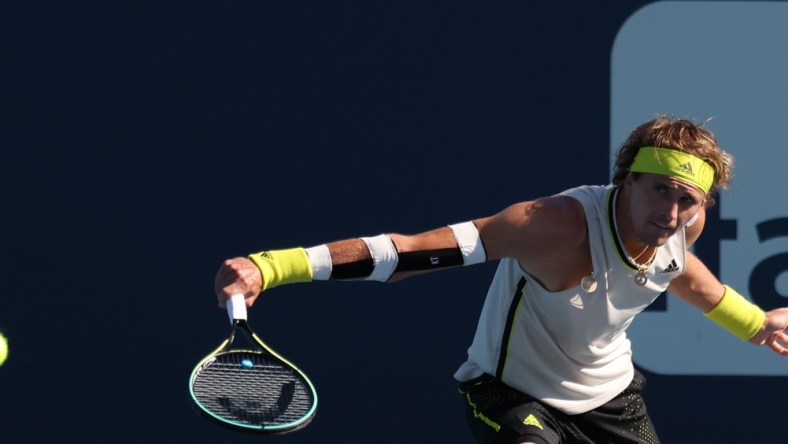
(429, 259)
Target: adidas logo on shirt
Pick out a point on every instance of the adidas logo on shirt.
(673, 266)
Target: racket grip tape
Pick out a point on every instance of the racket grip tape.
(236, 307)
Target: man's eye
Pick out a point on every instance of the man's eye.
(689, 200)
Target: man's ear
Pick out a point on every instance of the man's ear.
(628, 180)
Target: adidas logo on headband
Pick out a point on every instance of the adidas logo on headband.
(686, 168)
(674, 163)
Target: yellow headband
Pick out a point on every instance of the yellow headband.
(674, 163)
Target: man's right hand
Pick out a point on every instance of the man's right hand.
(238, 276)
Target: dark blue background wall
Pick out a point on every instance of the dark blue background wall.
(144, 142)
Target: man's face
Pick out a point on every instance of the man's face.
(660, 205)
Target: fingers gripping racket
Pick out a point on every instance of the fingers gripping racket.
(251, 390)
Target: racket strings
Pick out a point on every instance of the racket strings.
(249, 389)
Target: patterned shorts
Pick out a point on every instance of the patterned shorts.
(499, 414)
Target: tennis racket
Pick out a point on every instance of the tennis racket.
(251, 390)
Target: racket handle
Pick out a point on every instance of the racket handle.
(236, 307)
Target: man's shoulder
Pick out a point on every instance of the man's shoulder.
(588, 193)
(562, 219)
(562, 208)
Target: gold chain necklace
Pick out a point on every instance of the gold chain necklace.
(640, 277)
(634, 259)
(589, 283)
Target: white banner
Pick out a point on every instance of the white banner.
(728, 62)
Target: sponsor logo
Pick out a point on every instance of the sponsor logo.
(673, 266)
(532, 421)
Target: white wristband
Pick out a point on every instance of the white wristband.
(470, 243)
(384, 256)
(320, 260)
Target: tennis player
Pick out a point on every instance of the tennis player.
(550, 361)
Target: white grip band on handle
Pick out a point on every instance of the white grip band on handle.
(236, 307)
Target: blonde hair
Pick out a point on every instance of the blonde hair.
(682, 135)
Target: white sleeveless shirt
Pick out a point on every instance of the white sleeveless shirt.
(569, 348)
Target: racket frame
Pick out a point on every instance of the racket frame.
(238, 318)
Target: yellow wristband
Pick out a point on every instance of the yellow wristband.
(280, 267)
(737, 315)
